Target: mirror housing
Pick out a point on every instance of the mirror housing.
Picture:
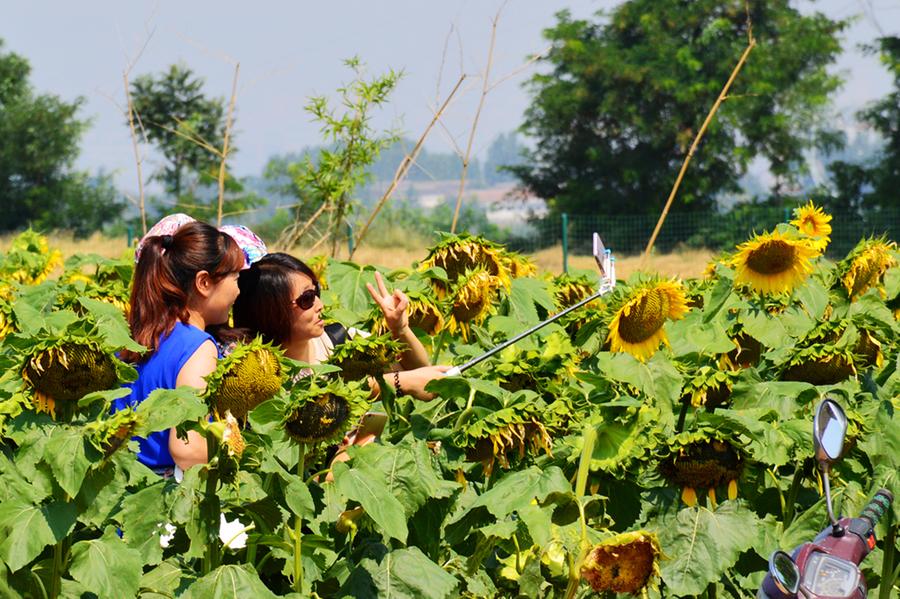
(784, 573)
(829, 428)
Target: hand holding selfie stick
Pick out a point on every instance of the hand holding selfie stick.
(607, 265)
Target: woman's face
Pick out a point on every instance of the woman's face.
(305, 324)
(220, 300)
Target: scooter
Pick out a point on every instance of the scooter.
(828, 567)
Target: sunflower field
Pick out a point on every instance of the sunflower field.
(656, 442)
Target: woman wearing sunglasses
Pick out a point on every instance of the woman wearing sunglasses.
(280, 300)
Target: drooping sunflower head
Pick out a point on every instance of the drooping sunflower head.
(869, 349)
(518, 265)
(813, 222)
(251, 374)
(625, 563)
(472, 300)
(820, 364)
(865, 265)
(709, 387)
(640, 315)
(30, 259)
(774, 262)
(461, 254)
(503, 434)
(69, 370)
(365, 356)
(7, 317)
(568, 289)
(424, 314)
(320, 413)
(111, 433)
(319, 266)
(702, 459)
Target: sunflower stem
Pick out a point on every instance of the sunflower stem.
(438, 346)
(789, 507)
(888, 577)
(298, 526)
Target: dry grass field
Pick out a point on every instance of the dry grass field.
(685, 264)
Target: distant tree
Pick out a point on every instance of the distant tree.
(505, 151)
(39, 137)
(875, 184)
(179, 119)
(624, 96)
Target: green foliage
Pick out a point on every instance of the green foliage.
(623, 97)
(39, 136)
(326, 184)
(577, 450)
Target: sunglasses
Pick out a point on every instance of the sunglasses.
(307, 299)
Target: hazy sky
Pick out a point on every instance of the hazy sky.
(290, 50)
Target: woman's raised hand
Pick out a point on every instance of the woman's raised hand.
(393, 305)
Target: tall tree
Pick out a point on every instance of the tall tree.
(185, 125)
(875, 185)
(39, 137)
(624, 96)
(175, 112)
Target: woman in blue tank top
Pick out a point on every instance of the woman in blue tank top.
(183, 282)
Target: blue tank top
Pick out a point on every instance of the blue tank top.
(160, 371)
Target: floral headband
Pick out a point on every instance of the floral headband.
(253, 247)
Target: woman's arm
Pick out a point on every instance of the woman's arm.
(415, 355)
(412, 382)
(394, 306)
(200, 364)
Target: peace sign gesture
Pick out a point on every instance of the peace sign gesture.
(393, 305)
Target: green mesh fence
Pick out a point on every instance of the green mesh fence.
(628, 234)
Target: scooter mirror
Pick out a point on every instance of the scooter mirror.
(829, 428)
(784, 572)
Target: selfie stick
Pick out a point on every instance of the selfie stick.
(607, 264)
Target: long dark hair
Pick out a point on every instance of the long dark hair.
(264, 304)
(165, 274)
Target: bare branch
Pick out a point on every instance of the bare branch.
(405, 164)
(687, 159)
(484, 92)
(228, 123)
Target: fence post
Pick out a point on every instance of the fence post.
(565, 241)
(787, 214)
(350, 238)
(130, 233)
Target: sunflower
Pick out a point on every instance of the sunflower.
(637, 326)
(624, 563)
(319, 266)
(865, 265)
(473, 300)
(30, 259)
(518, 265)
(424, 314)
(709, 387)
(365, 356)
(321, 413)
(568, 290)
(700, 460)
(774, 262)
(820, 364)
(460, 254)
(814, 223)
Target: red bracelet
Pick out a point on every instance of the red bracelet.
(397, 383)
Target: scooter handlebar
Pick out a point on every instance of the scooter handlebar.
(877, 507)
